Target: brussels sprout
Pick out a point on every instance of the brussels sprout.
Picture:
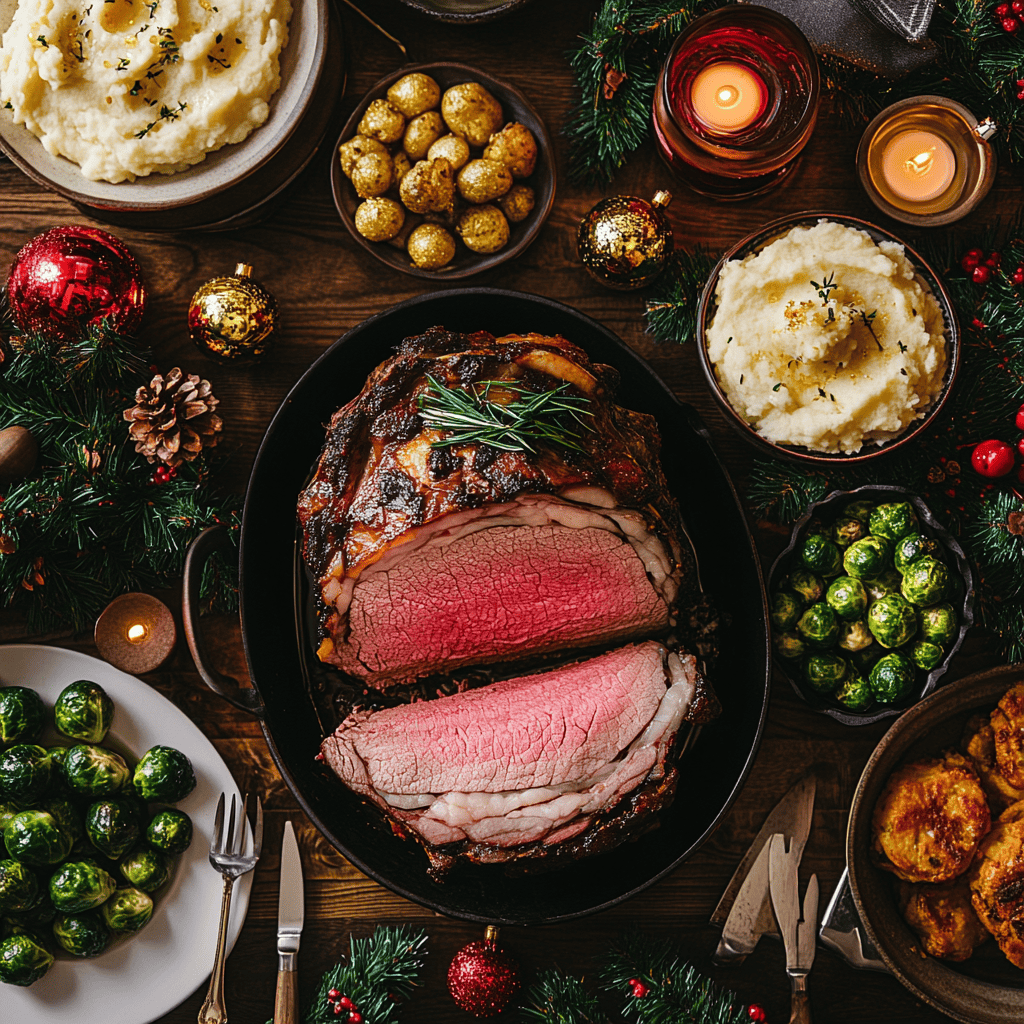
(83, 711)
(146, 869)
(7, 811)
(806, 585)
(80, 885)
(786, 609)
(818, 626)
(171, 831)
(847, 597)
(127, 910)
(892, 678)
(38, 917)
(788, 645)
(65, 814)
(24, 773)
(22, 960)
(924, 654)
(824, 672)
(937, 624)
(912, 547)
(19, 886)
(846, 529)
(865, 660)
(859, 510)
(867, 558)
(884, 585)
(34, 837)
(22, 715)
(855, 636)
(892, 621)
(894, 520)
(112, 827)
(926, 581)
(94, 771)
(164, 775)
(820, 555)
(855, 693)
(81, 934)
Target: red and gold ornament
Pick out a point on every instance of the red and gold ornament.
(992, 459)
(482, 978)
(70, 278)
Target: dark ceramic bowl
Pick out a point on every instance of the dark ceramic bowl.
(962, 599)
(797, 453)
(516, 107)
(986, 989)
(464, 12)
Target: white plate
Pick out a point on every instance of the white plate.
(143, 977)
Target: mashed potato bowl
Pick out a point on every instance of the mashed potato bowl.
(824, 338)
(301, 62)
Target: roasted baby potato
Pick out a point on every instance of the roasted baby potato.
(421, 132)
(402, 166)
(379, 219)
(382, 122)
(997, 883)
(483, 229)
(480, 181)
(372, 175)
(357, 147)
(517, 203)
(454, 148)
(430, 246)
(429, 186)
(470, 110)
(412, 94)
(515, 147)
(943, 917)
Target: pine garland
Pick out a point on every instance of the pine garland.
(617, 67)
(90, 523)
(381, 971)
(557, 998)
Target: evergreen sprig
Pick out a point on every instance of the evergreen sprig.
(557, 998)
(671, 308)
(90, 523)
(381, 971)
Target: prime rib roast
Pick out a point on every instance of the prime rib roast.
(563, 571)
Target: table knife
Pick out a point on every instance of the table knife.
(799, 932)
(290, 912)
(745, 908)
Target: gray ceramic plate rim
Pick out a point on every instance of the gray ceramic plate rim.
(527, 230)
(927, 978)
(758, 240)
(966, 611)
(302, 62)
(482, 10)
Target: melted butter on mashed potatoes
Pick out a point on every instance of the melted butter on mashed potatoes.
(125, 88)
(830, 375)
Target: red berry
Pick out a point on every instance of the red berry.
(992, 459)
(1017, 7)
(1020, 446)
(638, 987)
(1020, 474)
(981, 274)
(971, 259)
(1002, 10)
(1010, 25)
(337, 1009)
(1020, 95)
(756, 1013)
(355, 1017)
(333, 994)
(1019, 419)
(993, 261)
(1017, 277)
(346, 1004)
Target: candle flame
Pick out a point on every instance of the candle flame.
(728, 96)
(137, 632)
(922, 163)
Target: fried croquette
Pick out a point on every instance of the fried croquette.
(979, 745)
(930, 818)
(997, 883)
(943, 917)
(1008, 731)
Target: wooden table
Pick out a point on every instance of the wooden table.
(324, 285)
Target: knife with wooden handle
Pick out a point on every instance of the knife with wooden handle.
(290, 913)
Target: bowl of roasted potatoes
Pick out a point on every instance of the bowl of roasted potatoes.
(935, 848)
(443, 171)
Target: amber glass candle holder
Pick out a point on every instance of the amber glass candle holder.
(927, 160)
(736, 101)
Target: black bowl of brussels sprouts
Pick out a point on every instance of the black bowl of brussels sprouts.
(869, 602)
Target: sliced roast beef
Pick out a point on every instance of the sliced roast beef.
(523, 763)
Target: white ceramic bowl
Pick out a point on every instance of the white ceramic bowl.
(302, 61)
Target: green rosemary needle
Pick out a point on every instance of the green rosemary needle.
(471, 416)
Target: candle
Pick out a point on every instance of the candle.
(136, 633)
(918, 166)
(727, 96)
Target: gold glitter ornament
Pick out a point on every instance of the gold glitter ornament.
(624, 241)
(233, 317)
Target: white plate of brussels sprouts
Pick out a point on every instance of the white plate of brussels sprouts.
(165, 884)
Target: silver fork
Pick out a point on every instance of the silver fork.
(228, 856)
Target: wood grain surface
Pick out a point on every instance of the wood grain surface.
(325, 284)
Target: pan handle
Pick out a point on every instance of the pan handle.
(211, 540)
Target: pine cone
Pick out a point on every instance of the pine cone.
(173, 418)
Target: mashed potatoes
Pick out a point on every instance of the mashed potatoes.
(825, 339)
(125, 88)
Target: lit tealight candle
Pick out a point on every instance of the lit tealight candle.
(136, 633)
(727, 96)
(918, 166)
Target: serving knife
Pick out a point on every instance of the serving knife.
(290, 913)
(799, 934)
(745, 907)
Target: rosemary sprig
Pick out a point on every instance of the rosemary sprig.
(473, 416)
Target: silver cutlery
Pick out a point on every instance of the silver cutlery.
(799, 933)
(228, 855)
(290, 914)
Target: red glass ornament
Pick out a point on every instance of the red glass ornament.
(1019, 418)
(1010, 25)
(69, 278)
(981, 274)
(482, 978)
(756, 1013)
(992, 459)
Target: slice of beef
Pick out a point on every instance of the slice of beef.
(524, 763)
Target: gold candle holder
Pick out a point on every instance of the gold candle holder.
(136, 633)
(927, 160)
